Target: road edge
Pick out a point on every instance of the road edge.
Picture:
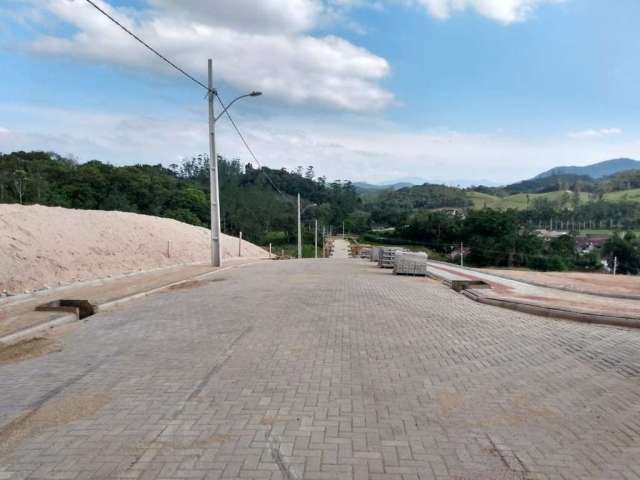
(30, 332)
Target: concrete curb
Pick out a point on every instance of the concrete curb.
(554, 312)
(542, 285)
(31, 331)
(549, 312)
(69, 318)
(564, 289)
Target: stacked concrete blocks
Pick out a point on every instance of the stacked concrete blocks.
(410, 263)
(387, 257)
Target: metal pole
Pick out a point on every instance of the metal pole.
(299, 230)
(240, 245)
(615, 265)
(461, 254)
(316, 239)
(269, 250)
(214, 198)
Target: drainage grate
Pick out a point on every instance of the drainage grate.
(459, 285)
(82, 308)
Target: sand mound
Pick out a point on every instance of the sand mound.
(44, 247)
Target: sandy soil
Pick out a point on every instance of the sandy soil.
(52, 414)
(44, 247)
(27, 349)
(581, 282)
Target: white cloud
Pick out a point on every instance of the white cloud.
(358, 148)
(267, 54)
(504, 11)
(595, 133)
(250, 15)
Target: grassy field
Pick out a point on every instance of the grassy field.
(632, 195)
(522, 201)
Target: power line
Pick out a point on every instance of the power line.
(198, 82)
(249, 149)
(149, 47)
(192, 78)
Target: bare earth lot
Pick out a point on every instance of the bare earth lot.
(325, 369)
(581, 282)
(45, 247)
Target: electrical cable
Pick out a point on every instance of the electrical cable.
(198, 82)
(149, 47)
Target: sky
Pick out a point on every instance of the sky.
(451, 91)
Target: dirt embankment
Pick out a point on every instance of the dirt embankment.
(598, 283)
(44, 247)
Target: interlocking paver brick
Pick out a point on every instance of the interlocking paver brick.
(324, 369)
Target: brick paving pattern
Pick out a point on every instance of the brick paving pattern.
(328, 369)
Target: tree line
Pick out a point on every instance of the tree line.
(257, 202)
(504, 239)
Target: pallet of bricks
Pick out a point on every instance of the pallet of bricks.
(387, 257)
(410, 263)
(375, 254)
(365, 252)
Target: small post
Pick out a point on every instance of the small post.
(299, 231)
(168, 248)
(615, 265)
(461, 254)
(269, 250)
(316, 239)
(240, 245)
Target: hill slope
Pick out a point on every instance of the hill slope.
(49, 246)
(596, 170)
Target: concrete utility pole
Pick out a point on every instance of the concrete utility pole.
(213, 177)
(316, 239)
(214, 198)
(299, 230)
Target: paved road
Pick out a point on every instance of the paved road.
(324, 370)
(341, 248)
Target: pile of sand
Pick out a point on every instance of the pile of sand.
(44, 247)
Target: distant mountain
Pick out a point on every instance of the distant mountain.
(370, 187)
(464, 183)
(406, 181)
(551, 184)
(597, 170)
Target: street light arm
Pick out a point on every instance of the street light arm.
(308, 206)
(252, 94)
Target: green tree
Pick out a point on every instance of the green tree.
(626, 250)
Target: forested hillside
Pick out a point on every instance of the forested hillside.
(258, 202)
(596, 170)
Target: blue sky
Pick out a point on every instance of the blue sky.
(452, 91)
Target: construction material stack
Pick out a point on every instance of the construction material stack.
(375, 254)
(410, 263)
(365, 252)
(387, 257)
